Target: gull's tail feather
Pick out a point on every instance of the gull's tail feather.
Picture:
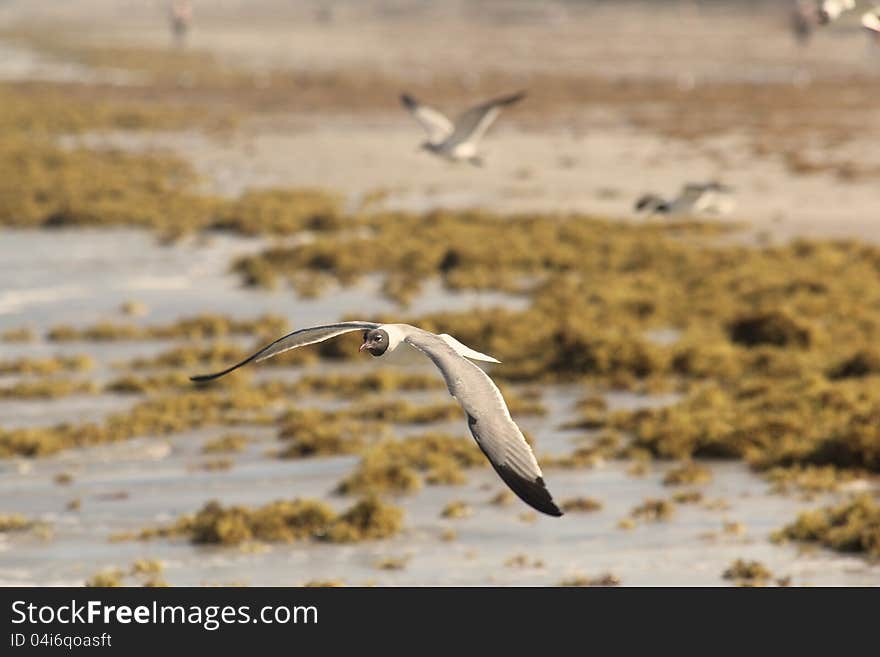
(464, 350)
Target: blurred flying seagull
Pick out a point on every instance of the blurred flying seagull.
(871, 22)
(487, 414)
(830, 10)
(458, 141)
(693, 199)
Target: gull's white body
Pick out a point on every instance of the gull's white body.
(693, 199)
(831, 10)
(871, 23)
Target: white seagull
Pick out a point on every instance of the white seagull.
(458, 141)
(487, 414)
(694, 198)
(830, 10)
(871, 23)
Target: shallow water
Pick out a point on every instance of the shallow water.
(80, 277)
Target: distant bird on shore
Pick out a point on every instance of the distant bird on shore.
(804, 19)
(808, 15)
(693, 199)
(180, 15)
(871, 23)
(458, 141)
(487, 414)
(831, 10)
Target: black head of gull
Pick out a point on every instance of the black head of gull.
(651, 203)
(375, 342)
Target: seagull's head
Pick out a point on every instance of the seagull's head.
(651, 203)
(376, 342)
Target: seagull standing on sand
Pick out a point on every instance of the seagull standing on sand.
(693, 199)
(180, 15)
(458, 141)
(804, 19)
(487, 414)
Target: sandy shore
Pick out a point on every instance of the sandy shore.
(589, 158)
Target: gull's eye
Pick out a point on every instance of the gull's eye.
(378, 338)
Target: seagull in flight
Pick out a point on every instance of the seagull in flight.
(871, 23)
(488, 417)
(458, 141)
(831, 10)
(694, 198)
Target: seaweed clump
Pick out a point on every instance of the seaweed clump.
(311, 433)
(784, 423)
(283, 521)
(110, 578)
(456, 509)
(852, 526)
(747, 573)
(369, 519)
(688, 474)
(46, 366)
(225, 444)
(47, 389)
(341, 385)
(653, 510)
(395, 465)
(865, 362)
(580, 505)
(14, 523)
(607, 579)
(199, 327)
(773, 328)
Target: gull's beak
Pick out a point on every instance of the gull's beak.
(363, 346)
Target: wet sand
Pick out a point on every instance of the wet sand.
(150, 481)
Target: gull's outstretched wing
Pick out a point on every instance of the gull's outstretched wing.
(299, 338)
(473, 123)
(435, 124)
(489, 421)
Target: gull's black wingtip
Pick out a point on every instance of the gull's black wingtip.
(515, 97)
(204, 378)
(532, 492)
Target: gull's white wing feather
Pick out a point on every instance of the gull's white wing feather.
(489, 420)
(435, 123)
(299, 338)
(473, 123)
